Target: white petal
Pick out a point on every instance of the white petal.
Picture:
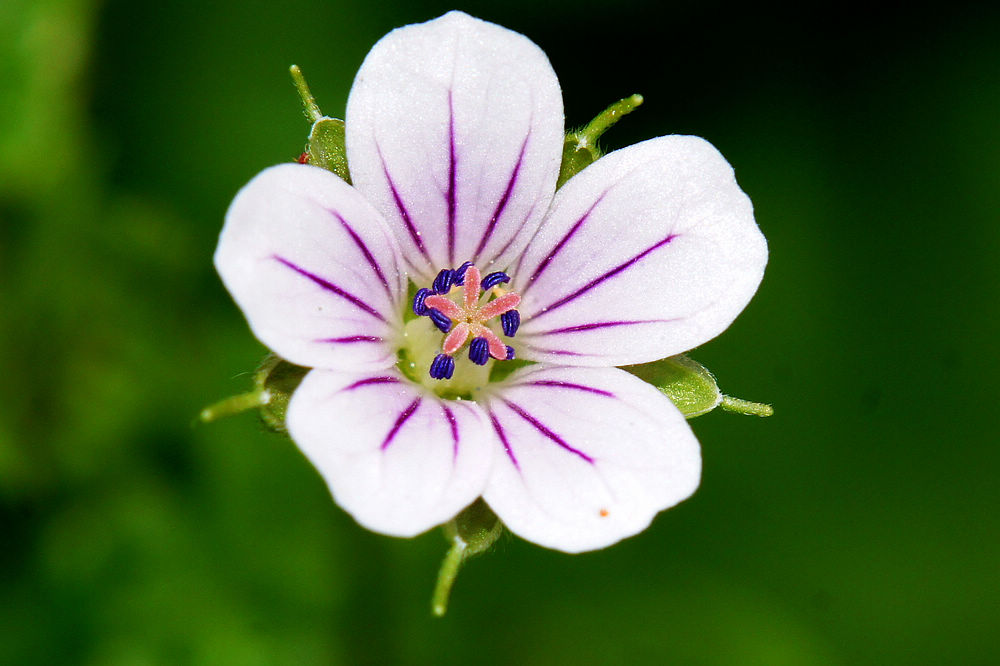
(396, 457)
(647, 253)
(592, 454)
(314, 269)
(454, 132)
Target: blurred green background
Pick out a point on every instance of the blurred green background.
(858, 525)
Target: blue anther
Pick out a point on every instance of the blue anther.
(510, 321)
(493, 279)
(479, 351)
(510, 353)
(442, 367)
(458, 275)
(418, 301)
(442, 283)
(440, 319)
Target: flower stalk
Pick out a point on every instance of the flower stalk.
(471, 533)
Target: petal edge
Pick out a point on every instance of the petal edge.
(647, 253)
(592, 455)
(454, 132)
(394, 456)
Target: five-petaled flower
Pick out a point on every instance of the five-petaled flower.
(454, 142)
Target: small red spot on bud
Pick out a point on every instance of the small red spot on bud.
(303, 158)
(604, 513)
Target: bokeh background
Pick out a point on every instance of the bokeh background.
(859, 525)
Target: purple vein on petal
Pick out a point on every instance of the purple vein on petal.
(503, 440)
(452, 159)
(352, 338)
(502, 205)
(363, 247)
(516, 235)
(404, 213)
(562, 242)
(598, 280)
(329, 286)
(453, 423)
(400, 420)
(602, 324)
(568, 385)
(540, 427)
(368, 381)
(560, 352)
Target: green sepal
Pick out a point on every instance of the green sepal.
(274, 382)
(687, 383)
(277, 379)
(326, 147)
(470, 533)
(580, 148)
(692, 388)
(576, 157)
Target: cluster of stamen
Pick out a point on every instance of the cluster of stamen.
(465, 320)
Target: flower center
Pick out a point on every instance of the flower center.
(460, 302)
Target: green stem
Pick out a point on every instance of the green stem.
(731, 404)
(609, 117)
(234, 405)
(446, 577)
(308, 101)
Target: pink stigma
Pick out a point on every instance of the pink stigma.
(469, 315)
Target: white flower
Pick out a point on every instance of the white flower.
(454, 141)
